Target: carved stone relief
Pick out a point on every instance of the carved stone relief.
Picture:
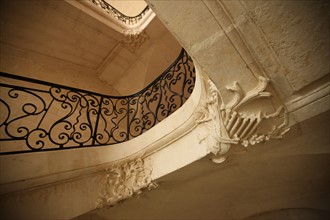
(133, 39)
(123, 181)
(228, 124)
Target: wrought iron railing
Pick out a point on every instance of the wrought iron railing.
(129, 20)
(37, 116)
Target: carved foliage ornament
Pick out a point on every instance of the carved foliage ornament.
(123, 181)
(133, 39)
(229, 125)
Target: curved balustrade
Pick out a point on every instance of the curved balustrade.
(37, 115)
(129, 20)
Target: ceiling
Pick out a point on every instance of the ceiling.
(53, 40)
(56, 30)
(129, 8)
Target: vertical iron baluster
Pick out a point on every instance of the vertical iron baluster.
(128, 110)
(97, 120)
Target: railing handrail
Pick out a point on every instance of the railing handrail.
(88, 118)
(131, 19)
(16, 77)
(142, 12)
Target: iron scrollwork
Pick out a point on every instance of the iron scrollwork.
(41, 116)
(129, 20)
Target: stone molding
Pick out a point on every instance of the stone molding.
(237, 27)
(117, 14)
(228, 124)
(98, 13)
(122, 181)
(133, 39)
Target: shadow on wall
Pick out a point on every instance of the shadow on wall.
(292, 214)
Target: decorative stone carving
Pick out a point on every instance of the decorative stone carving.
(229, 125)
(123, 181)
(133, 39)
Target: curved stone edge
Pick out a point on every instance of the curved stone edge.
(59, 166)
(178, 148)
(213, 127)
(119, 175)
(88, 7)
(204, 130)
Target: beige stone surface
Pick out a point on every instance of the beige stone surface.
(38, 181)
(54, 42)
(58, 42)
(187, 135)
(237, 43)
(36, 66)
(298, 34)
(206, 41)
(285, 41)
(23, 171)
(144, 64)
(58, 32)
(61, 201)
(287, 174)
